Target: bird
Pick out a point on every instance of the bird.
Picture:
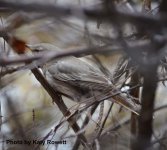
(75, 78)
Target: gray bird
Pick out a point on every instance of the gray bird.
(75, 78)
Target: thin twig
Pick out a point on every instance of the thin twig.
(104, 121)
(85, 122)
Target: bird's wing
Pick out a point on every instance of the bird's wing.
(76, 71)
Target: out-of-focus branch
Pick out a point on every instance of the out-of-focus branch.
(160, 108)
(134, 118)
(163, 6)
(147, 102)
(90, 13)
(134, 50)
(4, 60)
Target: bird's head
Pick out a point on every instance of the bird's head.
(44, 49)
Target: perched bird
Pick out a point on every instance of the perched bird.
(75, 78)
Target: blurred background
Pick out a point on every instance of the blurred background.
(26, 108)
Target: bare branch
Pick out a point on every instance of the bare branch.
(58, 100)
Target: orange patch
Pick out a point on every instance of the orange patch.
(19, 46)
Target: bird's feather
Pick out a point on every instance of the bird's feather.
(75, 71)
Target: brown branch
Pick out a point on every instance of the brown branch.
(58, 100)
(147, 102)
(135, 93)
